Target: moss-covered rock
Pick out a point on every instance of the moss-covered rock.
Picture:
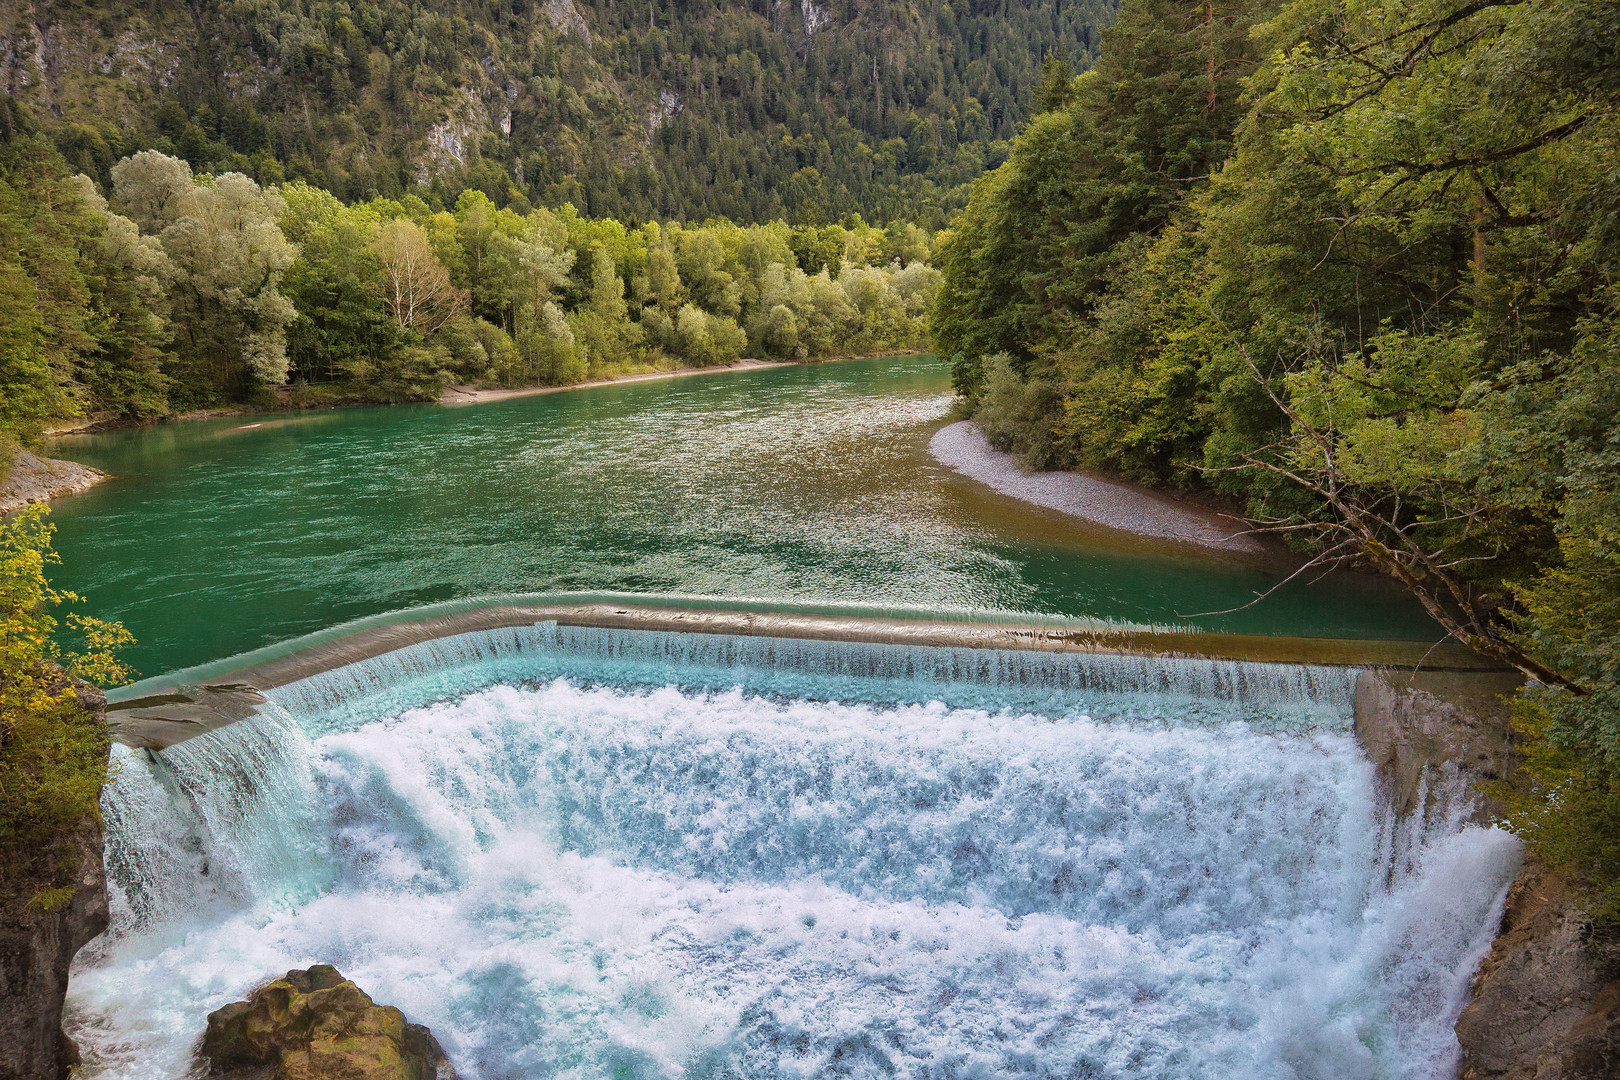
(317, 1025)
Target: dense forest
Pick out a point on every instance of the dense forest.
(745, 109)
(176, 290)
(1354, 265)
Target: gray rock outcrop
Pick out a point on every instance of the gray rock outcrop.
(36, 479)
(1421, 728)
(1547, 999)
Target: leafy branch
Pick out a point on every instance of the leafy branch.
(1356, 522)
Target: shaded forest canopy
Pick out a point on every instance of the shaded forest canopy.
(745, 109)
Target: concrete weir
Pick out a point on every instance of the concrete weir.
(162, 711)
(1431, 720)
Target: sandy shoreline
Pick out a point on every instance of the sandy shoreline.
(36, 479)
(963, 448)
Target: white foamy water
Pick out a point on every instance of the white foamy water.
(580, 880)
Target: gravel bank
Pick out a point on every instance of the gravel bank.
(963, 447)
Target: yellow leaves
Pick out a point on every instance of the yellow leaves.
(25, 594)
(27, 627)
(98, 662)
(53, 753)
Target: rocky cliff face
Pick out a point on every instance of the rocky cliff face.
(37, 943)
(1546, 1001)
(317, 1025)
(1422, 730)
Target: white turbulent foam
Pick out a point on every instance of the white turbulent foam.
(581, 881)
(1269, 695)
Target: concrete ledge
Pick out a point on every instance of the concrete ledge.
(161, 711)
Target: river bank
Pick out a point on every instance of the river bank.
(289, 399)
(964, 448)
(31, 478)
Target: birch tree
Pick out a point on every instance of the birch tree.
(416, 286)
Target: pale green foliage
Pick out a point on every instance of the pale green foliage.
(152, 189)
(778, 332)
(663, 277)
(827, 320)
(415, 284)
(224, 255)
(703, 338)
(541, 270)
(123, 245)
(602, 325)
(700, 258)
(865, 309)
(546, 346)
(906, 242)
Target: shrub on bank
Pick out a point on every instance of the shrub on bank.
(53, 749)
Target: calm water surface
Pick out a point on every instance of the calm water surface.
(803, 483)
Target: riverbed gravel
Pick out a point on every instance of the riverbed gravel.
(964, 448)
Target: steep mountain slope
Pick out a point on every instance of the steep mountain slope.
(749, 109)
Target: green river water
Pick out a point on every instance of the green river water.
(805, 483)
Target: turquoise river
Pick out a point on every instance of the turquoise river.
(805, 483)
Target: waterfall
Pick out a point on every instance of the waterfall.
(582, 852)
(211, 822)
(1103, 685)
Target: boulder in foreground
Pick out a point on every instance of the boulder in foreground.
(317, 1025)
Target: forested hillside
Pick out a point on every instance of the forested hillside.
(1354, 264)
(746, 109)
(170, 290)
